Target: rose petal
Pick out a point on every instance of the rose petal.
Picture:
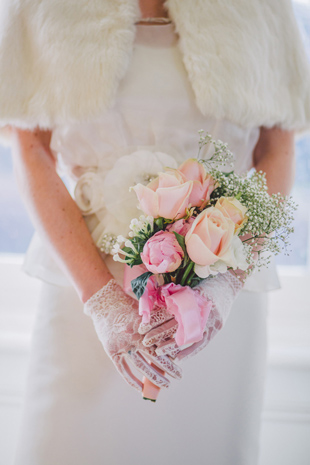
(148, 200)
(174, 201)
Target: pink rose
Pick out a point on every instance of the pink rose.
(209, 237)
(233, 209)
(166, 196)
(162, 253)
(181, 226)
(203, 183)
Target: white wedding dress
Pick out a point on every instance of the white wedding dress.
(78, 410)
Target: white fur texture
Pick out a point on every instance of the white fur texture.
(62, 60)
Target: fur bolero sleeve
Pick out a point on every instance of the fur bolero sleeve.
(62, 61)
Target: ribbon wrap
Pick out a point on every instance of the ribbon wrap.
(190, 309)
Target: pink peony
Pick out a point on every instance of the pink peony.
(162, 253)
(181, 226)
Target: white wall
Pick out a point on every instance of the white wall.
(286, 417)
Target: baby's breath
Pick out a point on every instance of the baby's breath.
(269, 217)
(222, 156)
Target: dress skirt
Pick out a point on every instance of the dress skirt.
(79, 411)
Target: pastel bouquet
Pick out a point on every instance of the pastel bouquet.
(199, 221)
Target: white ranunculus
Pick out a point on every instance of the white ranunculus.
(236, 255)
(88, 192)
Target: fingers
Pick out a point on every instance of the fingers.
(124, 370)
(169, 348)
(193, 349)
(158, 317)
(163, 362)
(161, 333)
(147, 370)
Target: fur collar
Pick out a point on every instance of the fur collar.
(62, 60)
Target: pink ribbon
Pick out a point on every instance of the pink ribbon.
(151, 295)
(190, 309)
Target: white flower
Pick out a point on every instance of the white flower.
(205, 271)
(88, 193)
(236, 255)
(235, 258)
(138, 167)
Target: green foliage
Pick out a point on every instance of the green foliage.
(138, 284)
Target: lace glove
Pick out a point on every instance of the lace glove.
(116, 321)
(221, 290)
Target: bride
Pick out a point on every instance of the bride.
(77, 408)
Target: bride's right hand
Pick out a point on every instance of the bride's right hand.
(116, 320)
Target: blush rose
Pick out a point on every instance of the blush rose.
(167, 196)
(203, 183)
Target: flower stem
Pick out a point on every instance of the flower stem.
(190, 278)
(186, 273)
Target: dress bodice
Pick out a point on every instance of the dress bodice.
(154, 123)
(155, 106)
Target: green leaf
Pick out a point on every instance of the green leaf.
(136, 261)
(195, 280)
(138, 284)
(181, 240)
(159, 222)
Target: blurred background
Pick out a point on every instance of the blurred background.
(286, 417)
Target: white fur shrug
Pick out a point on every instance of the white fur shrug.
(62, 60)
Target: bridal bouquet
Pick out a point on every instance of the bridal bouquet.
(199, 221)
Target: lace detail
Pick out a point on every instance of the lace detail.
(222, 290)
(168, 348)
(116, 320)
(158, 317)
(162, 333)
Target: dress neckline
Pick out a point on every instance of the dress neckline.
(156, 35)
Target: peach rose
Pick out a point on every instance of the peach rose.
(233, 209)
(203, 183)
(166, 196)
(209, 237)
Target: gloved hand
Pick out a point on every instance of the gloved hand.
(222, 290)
(116, 320)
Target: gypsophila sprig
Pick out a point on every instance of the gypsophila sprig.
(221, 156)
(269, 217)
